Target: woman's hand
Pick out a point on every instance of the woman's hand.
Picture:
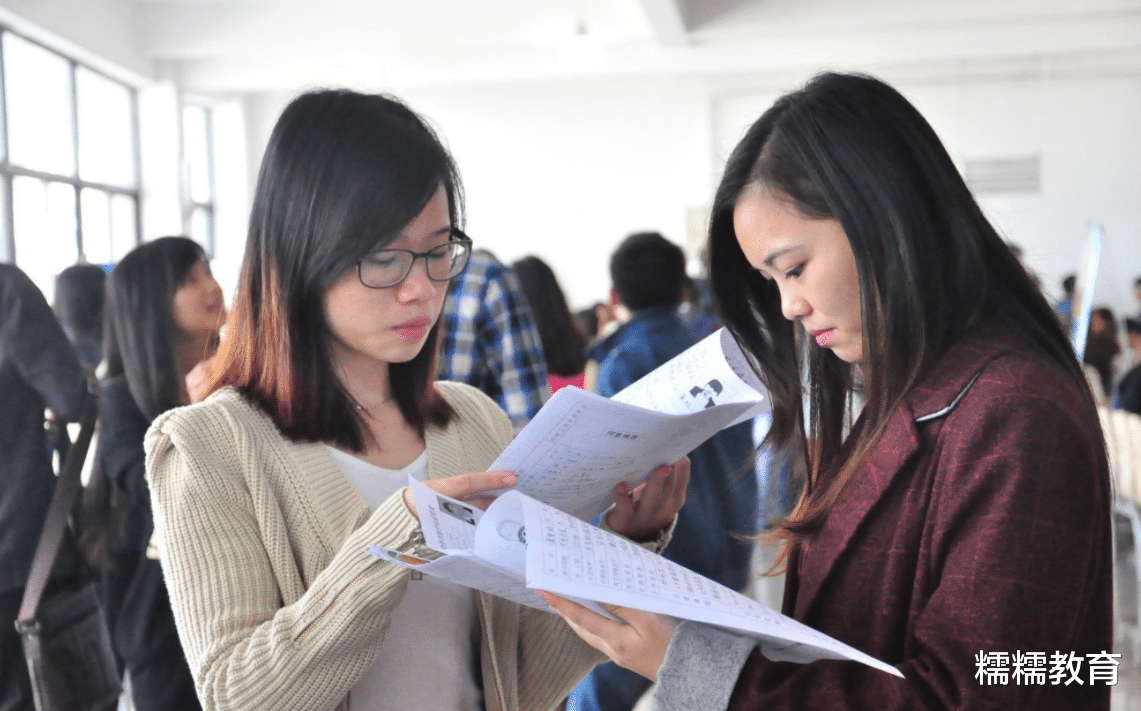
(642, 513)
(639, 644)
(466, 487)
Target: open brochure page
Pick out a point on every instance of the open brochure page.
(580, 445)
(449, 525)
(712, 372)
(482, 550)
(520, 544)
(573, 558)
(467, 570)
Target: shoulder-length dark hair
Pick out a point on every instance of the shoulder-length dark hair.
(140, 342)
(564, 343)
(140, 336)
(343, 174)
(851, 148)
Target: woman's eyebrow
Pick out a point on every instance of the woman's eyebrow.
(772, 257)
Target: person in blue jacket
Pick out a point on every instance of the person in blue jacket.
(647, 274)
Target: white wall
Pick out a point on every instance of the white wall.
(565, 171)
(97, 32)
(1083, 129)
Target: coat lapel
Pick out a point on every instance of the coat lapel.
(933, 399)
(823, 552)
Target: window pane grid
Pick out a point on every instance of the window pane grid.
(68, 149)
(198, 174)
(37, 90)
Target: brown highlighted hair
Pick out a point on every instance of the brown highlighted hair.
(343, 174)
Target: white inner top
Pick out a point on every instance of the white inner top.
(430, 656)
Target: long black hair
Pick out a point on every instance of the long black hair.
(852, 148)
(140, 342)
(564, 342)
(140, 335)
(343, 174)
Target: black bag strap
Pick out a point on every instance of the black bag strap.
(66, 489)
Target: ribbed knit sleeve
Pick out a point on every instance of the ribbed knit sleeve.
(234, 546)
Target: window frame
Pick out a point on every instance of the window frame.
(9, 171)
(190, 206)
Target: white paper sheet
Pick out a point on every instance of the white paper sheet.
(490, 556)
(570, 557)
(580, 445)
(712, 372)
(521, 544)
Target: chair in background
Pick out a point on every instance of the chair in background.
(1123, 442)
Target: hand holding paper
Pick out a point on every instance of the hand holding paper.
(640, 513)
(471, 487)
(638, 642)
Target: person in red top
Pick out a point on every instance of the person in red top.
(960, 527)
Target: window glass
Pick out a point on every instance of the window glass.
(37, 91)
(124, 225)
(106, 134)
(201, 228)
(43, 214)
(108, 225)
(5, 238)
(95, 207)
(196, 151)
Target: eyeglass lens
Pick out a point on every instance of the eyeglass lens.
(389, 267)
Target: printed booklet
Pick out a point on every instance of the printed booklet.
(568, 459)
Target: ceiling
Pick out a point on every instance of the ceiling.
(251, 46)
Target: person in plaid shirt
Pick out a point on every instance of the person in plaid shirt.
(490, 340)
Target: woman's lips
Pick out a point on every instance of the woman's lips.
(413, 330)
(823, 337)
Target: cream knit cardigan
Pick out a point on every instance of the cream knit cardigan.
(278, 602)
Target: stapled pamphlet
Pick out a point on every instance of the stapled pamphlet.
(520, 544)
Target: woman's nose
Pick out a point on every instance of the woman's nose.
(794, 306)
(417, 285)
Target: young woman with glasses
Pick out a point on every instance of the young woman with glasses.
(268, 493)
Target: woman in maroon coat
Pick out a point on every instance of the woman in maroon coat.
(959, 528)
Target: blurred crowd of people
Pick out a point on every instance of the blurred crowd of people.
(1112, 349)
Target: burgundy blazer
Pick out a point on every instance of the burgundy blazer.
(981, 523)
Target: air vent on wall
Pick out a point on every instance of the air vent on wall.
(1003, 175)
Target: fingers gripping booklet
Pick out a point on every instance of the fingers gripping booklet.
(568, 459)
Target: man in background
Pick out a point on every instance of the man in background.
(647, 274)
(489, 339)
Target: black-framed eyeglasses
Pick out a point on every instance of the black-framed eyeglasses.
(389, 267)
